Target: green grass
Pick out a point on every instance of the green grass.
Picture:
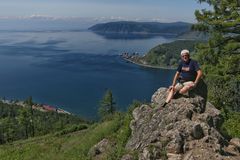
(70, 146)
(74, 142)
(231, 125)
(122, 135)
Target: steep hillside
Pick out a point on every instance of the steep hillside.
(19, 120)
(187, 128)
(71, 144)
(168, 54)
(165, 55)
(59, 146)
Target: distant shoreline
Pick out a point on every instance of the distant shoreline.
(146, 65)
(35, 106)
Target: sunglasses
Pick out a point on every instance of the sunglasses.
(185, 55)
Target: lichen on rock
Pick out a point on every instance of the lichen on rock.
(187, 128)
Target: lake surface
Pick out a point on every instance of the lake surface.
(73, 69)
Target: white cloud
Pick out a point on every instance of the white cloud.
(102, 19)
(37, 17)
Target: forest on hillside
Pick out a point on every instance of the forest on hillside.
(126, 27)
(168, 54)
(17, 122)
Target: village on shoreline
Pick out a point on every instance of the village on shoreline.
(35, 106)
(138, 59)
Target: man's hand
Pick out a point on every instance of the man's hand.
(193, 85)
(170, 88)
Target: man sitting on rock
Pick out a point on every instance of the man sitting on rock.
(188, 75)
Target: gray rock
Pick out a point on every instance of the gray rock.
(176, 145)
(197, 132)
(159, 97)
(127, 157)
(187, 128)
(235, 142)
(98, 150)
(150, 152)
(172, 156)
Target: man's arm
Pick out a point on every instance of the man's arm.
(175, 79)
(199, 75)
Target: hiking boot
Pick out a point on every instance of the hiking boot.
(177, 95)
(163, 106)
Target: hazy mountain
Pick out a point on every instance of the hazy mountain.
(126, 27)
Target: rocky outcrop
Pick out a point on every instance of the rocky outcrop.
(100, 150)
(187, 128)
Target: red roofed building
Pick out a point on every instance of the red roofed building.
(49, 108)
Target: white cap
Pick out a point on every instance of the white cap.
(184, 51)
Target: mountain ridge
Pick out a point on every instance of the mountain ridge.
(126, 27)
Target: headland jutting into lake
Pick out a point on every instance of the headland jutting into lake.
(138, 59)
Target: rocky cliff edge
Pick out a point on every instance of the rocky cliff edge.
(186, 129)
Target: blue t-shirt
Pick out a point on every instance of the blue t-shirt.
(188, 70)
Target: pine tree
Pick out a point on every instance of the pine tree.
(107, 105)
(220, 57)
(24, 120)
(29, 103)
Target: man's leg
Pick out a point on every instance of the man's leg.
(170, 95)
(187, 86)
(173, 91)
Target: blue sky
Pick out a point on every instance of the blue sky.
(163, 10)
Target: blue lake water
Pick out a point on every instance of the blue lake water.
(72, 70)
